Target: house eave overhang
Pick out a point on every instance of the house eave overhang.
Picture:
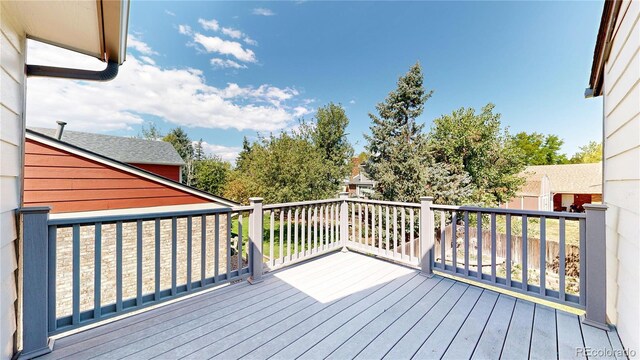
(97, 28)
(603, 47)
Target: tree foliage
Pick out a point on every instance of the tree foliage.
(540, 149)
(150, 132)
(477, 145)
(590, 153)
(397, 146)
(211, 174)
(181, 142)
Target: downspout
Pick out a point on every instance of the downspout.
(109, 73)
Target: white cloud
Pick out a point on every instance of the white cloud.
(178, 96)
(250, 41)
(263, 12)
(352, 101)
(214, 44)
(185, 29)
(209, 24)
(134, 43)
(148, 60)
(227, 153)
(225, 63)
(170, 13)
(232, 33)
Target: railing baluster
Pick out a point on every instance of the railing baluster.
(395, 230)
(139, 263)
(386, 250)
(525, 269)
(321, 227)
(240, 238)
(76, 274)
(289, 234)
(52, 252)
(119, 266)
(380, 228)
(203, 250)
(174, 255)
(295, 233)
(454, 242)
(443, 240)
(216, 245)
(353, 222)
(281, 236)
(240, 249)
(309, 230)
(229, 246)
(543, 256)
(189, 250)
(360, 223)
(479, 243)
(412, 247)
(272, 258)
(157, 260)
(315, 228)
(466, 243)
(366, 225)
(97, 271)
(228, 236)
(583, 261)
(331, 218)
(303, 223)
(493, 247)
(508, 231)
(403, 233)
(562, 266)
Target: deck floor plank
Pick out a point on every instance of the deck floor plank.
(569, 336)
(467, 337)
(518, 342)
(343, 305)
(544, 336)
(407, 346)
(491, 341)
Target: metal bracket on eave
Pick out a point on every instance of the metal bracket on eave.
(588, 93)
(109, 73)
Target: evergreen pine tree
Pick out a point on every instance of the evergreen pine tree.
(397, 144)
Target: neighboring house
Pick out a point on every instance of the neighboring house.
(70, 178)
(359, 185)
(615, 75)
(158, 157)
(557, 187)
(95, 28)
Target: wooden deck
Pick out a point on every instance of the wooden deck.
(342, 306)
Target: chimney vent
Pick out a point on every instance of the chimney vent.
(61, 125)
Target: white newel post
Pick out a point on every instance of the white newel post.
(426, 235)
(595, 265)
(255, 240)
(344, 220)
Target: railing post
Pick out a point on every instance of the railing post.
(344, 220)
(35, 251)
(255, 240)
(426, 235)
(595, 279)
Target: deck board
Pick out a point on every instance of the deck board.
(341, 306)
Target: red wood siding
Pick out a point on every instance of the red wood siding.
(70, 183)
(169, 171)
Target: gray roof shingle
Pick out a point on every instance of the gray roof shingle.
(123, 149)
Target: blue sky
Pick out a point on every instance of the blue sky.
(284, 59)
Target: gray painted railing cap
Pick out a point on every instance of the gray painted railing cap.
(34, 209)
(600, 207)
(426, 198)
(256, 199)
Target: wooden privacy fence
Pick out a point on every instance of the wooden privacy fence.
(551, 248)
(396, 231)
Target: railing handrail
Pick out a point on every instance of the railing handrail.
(384, 202)
(299, 203)
(500, 211)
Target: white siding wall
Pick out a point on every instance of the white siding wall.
(12, 78)
(622, 174)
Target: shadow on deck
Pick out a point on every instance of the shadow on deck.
(344, 305)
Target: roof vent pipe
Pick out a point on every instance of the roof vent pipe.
(61, 125)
